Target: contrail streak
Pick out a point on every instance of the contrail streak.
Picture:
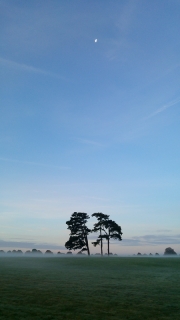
(33, 163)
(29, 68)
(172, 103)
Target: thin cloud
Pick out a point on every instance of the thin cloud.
(34, 163)
(28, 68)
(162, 109)
(146, 240)
(126, 18)
(153, 240)
(90, 142)
(164, 230)
(29, 245)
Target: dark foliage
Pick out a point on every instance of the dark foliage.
(48, 252)
(107, 228)
(79, 231)
(112, 231)
(169, 250)
(99, 227)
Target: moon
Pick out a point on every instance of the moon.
(95, 40)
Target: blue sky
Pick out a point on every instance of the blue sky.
(90, 126)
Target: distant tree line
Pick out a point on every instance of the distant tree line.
(78, 239)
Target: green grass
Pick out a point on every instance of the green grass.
(89, 288)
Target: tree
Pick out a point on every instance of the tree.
(98, 227)
(79, 231)
(169, 250)
(112, 231)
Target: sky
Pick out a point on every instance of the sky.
(90, 126)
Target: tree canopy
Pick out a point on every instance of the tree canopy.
(112, 231)
(98, 227)
(79, 231)
(78, 238)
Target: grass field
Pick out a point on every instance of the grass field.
(90, 288)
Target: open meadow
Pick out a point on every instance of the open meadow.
(89, 288)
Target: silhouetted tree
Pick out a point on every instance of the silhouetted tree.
(28, 252)
(79, 231)
(169, 250)
(99, 227)
(48, 252)
(112, 231)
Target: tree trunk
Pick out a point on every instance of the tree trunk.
(87, 244)
(86, 240)
(101, 243)
(108, 241)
